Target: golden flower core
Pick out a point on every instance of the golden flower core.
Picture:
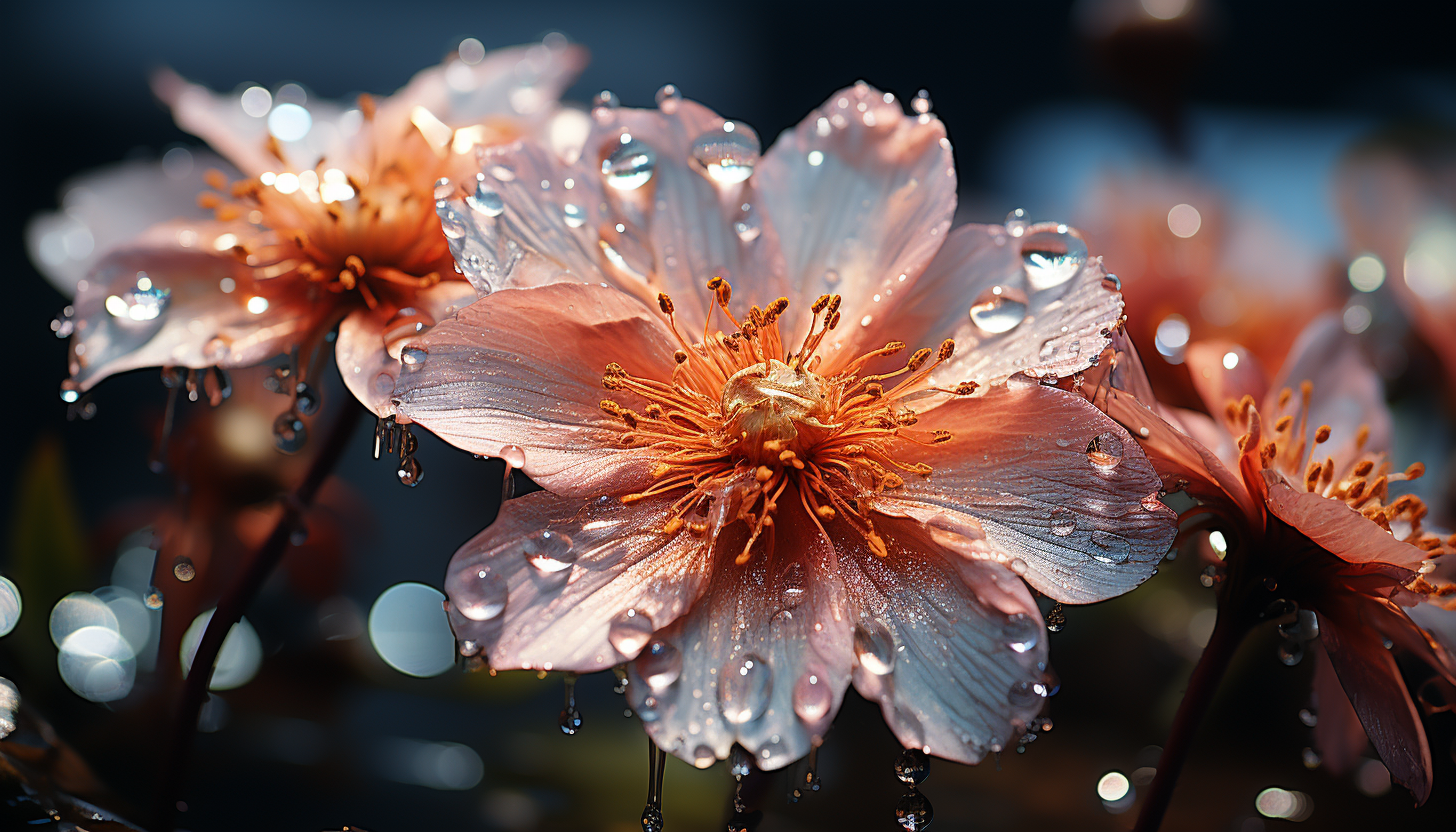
(739, 410)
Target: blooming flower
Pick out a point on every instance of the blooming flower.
(1296, 478)
(328, 220)
(751, 493)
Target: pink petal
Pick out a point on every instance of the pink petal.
(952, 649)
(1346, 392)
(1079, 526)
(763, 659)
(1371, 680)
(861, 196)
(369, 341)
(1009, 303)
(1336, 527)
(1338, 735)
(214, 312)
(1225, 372)
(107, 208)
(565, 583)
(518, 80)
(524, 368)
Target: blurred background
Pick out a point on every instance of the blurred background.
(1225, 157)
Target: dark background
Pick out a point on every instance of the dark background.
(75, 95)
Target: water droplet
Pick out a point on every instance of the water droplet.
(997, 311)
(914, 812)
(305, 400)
(605, 100)
(912, 766)
(443, 188)
(727, 155)
(1021, 632)
(413, 357)
(739, 763)
(1024, 694)
(744, 685)
(1063, 521)
(485, 200)
(660, 665)
(153, 599)
(410, 472)
(1109, 548)
(514, 456)
(479, 594)
(1308, 717)
(1052, 256)
(812, 696)
(628, 166)
(1016, 222)
(143, 301)
(703, 757)
(548, 551)
(652, 818)
(289, 433)
(70, 391)
(668, 97)
(1311, 758)
(570, 720)
(1056, 619)
(1291, 652)
(574, 215)
(1105, 451)
(874, 647)
(794, 588)
(629, 632)
(183, 569)
(921, 102)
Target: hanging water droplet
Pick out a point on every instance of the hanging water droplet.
(727, 155)
(1052, 256)
(703, 757)
(660, 665)
(289, 433)
(153, 599)
(1105, 451)
(1021, 632)
(794, 586)
(410, 472)
(443, 189)
(183, 569)
(570, 720)
(913, 812)
(668, 98)
(1112, 282)
(1016, 222)
(629, 632)
(652, 818)
(740, 763)
(548, 551)
(912, 766)
(1056, 619)
(479, 594)
(1109, 548)
(142, 301)
(413, 357)
(485, 200)
(606, 100)
(306, 399)
(514, 456)
(1291, 652)
(574, 215)
(874, 647)
(997, 311)
(744, 685)
(1063, 521)
(628, 165)
(1308, 717)
(921, 102)
(812, 697)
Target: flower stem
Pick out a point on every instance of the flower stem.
(232, 605)
(1228, 633)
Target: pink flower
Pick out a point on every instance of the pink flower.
(327, 218)
(1295, 475)
(751, 493)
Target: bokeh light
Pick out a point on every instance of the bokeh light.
(410, 631)
(238, 660)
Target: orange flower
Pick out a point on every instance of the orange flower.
(330, 219)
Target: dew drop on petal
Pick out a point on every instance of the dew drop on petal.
(574, 216)
(1052, 257)
(744, 685)
(1108, 547)
(514, 456)
(727, 155)
(413, 357)
(1063, 521)
(480, 594)
(703, 757)
(660, 665)
(485, 200)
(1016, 222)
(995, 312)
(874, 647)
(1021, 632)
(812, 696)
(1023, 694)
(629, 165)
(1105, 452)
(548, 551)
(629, 631)
(794, 588)
(668, 98)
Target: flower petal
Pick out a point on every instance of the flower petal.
(861, 196)
(107, 208)
(158, 303)
(1338, 735)
(369, 341)
(1346, 393)
(1049, 481)
(763, 659)
(952, 649)
(566, 583)
(1336, 527)
(524, 368)
(1225, 372)
(1031, 304)
(517, 80)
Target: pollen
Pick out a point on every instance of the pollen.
(743, 414)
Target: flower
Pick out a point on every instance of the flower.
(1295, 476)
(751, 493)
(329, 219)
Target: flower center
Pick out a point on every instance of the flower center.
(371, 231)
(742, 417)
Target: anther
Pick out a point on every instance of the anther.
(947, 349)
(680, 356)
(354, 264)
(763, 474)
(819, 304)
(1322, 434)
(1364, 467)
(1415, 471)
(1284, 396)
(921, 356)
(966, 388)
(664, 303)
(1283, 424)
(215, 179)
(825, 512)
